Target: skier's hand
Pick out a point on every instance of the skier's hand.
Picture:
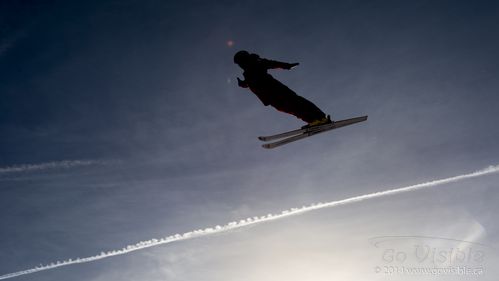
(291, 65)
(242, 83)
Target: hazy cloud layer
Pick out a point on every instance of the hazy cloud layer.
(250, 221)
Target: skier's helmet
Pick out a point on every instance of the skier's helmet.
(241, 57)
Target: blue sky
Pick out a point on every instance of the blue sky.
(143, 94)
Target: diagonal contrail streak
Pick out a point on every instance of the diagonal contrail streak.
(66, 164)
(250, 221)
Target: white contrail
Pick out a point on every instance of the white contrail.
(48, 165)
(249, 221)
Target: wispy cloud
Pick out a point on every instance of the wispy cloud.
(9, 42)
(250, 221)
(66, 164)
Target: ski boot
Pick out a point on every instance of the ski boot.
(319, 122)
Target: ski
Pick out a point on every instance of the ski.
(304, 133)
(293, 132)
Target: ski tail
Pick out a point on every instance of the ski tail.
(295, 132)
(281, 135)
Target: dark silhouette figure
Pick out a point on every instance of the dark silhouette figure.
(274, 93)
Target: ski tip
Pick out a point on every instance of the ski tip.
(261, 138)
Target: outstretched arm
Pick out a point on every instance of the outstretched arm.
(269, 64)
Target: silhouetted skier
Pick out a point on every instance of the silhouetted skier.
(274, 93)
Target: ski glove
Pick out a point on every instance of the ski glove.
(291, 65)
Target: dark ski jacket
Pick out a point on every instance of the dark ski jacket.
(269, 90)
